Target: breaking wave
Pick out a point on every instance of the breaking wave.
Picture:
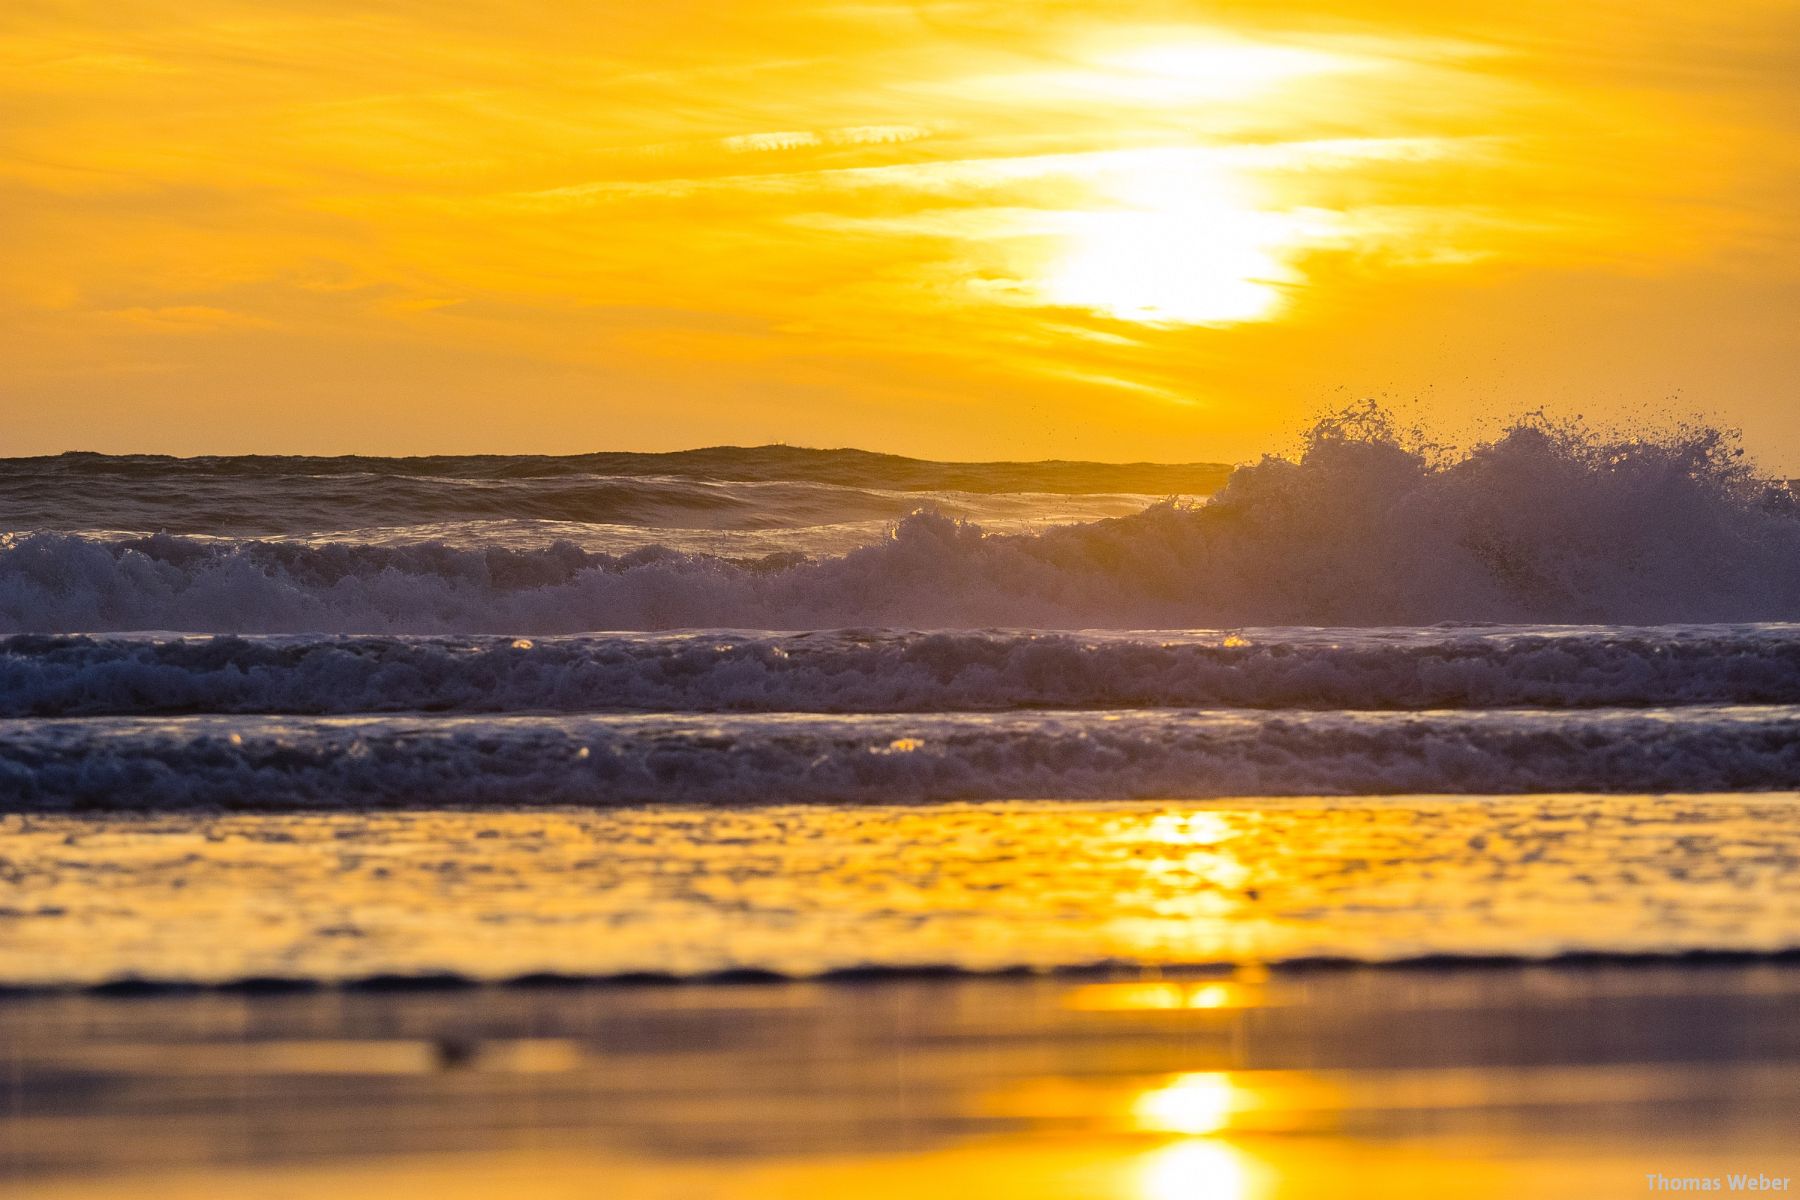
(1546, 524)
(522, 761)
(852, 671)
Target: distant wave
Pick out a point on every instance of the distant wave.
(510, 762)
(749, 464)
(720, 488)
(883, 671)
(1544, 524)
(294, 506)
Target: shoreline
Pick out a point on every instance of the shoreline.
(1572, 962)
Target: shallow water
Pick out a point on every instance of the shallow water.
(803, 890)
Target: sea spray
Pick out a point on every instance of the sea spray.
(1544, 524)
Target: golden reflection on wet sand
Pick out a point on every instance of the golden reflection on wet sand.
(1483, 1083)
(1201, 1102)
(1195, 1168)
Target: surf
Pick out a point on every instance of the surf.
(1363, 526)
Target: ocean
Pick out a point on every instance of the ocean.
(1115, 778)
(1553, 612)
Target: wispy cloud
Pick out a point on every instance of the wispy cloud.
(966, 223)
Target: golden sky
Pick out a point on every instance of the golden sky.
(965, 229)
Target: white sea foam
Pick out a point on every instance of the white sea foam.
(518, 761)
(1542, 525)
(892, 671)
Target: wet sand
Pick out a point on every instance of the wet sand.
(1515, 1081)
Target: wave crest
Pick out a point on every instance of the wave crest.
(153, 764)
(1545, 524)
(857, 671)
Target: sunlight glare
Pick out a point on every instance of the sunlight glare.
(1157, 996)
(1178, 238)
(1181, 243)
(1194, 1170)
(1197, 1103)
(1191, 829)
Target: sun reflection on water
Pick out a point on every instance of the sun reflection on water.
(1201, 1102)
(1191, 828)
(1196, 1104)
(1158, 996)
(1200, 1169)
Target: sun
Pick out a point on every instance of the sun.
(1179, 234)
(1180, 241)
